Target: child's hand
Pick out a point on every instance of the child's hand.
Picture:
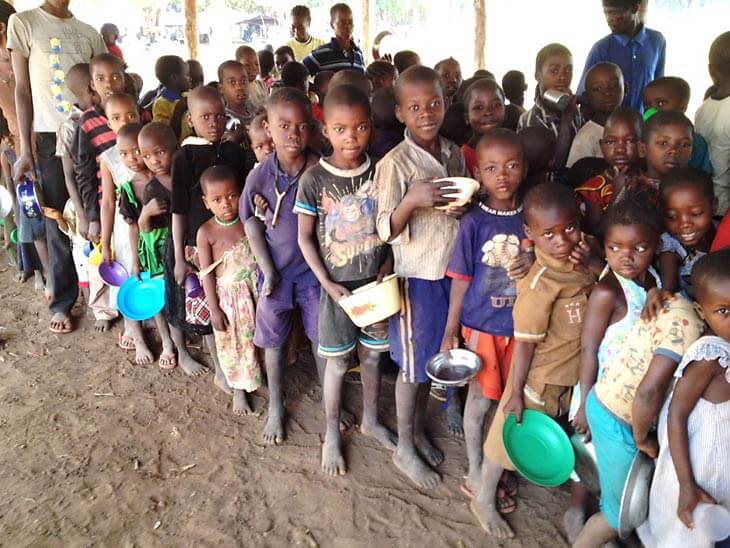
(136, 269)
(82, 225)
(182, 269)
(656, 303)
(271, 280)
(94, 231)
(218, 319)
(649, 446)
(520, 266)
(386, 268)
(155, 207)
(580, 423)
(585, 255)
(457, 212)
(261, 205)
(514, 406)
(449, 342)
(106, 254)
(426, 193)
(689, 497)
(336, 291)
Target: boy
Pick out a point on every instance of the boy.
(666, 143)
(405, 59)
(341, 52)
(266, 63)
(234, 86)
(450, 72)
(260, 140)
(287, 282)
(548, 315)
(673, 93)
(604, 92)
(337, 236)
(110, 33)
(302, 43)
(174, 76)
(382, 74)
(713, 119)
(195, 71)
(207, 116)
(514, 86)
(282, 56)
(248, 57)
(422, 238)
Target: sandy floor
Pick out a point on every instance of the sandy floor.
(97, 451)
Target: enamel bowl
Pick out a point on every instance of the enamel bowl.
(463, 190)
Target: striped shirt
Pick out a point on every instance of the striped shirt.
(332, 57)
(539, 116)
(424, 247)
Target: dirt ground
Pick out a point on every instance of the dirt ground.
(99, 452)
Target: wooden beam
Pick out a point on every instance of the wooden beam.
(367, 39)
(480, 33)
(191, 28)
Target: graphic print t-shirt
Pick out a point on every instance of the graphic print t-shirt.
(345, 204)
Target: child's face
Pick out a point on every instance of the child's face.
(221, 199)
(281, 59)
(714, 303)
(486, 111)
(300, 27)
(556, 73)
(343, 24)
(554, 231)
(450, 72)
(234, 86)
(663, 98)
(667, 147)
(629, 249)
(687, 213)
(208, 118)
(348, 130)
(250, 62)
(421, 109)
(120, 113)
(289, 129)
(130, 154)
(156, 155)
(107, 79)
(501, 170)
(261, 143)
(604, 89)
(620, 144)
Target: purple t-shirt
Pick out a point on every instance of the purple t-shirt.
(486, 243)
(282, 238)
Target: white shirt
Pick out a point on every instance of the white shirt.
(586, 143)
(712, 121)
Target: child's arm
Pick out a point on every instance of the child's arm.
(85, 170)
(108, 205)
(521, 360)
(459, 288)
(134, 244)
(565, 133)
(689, 389)
(256, 234)
(669, 271)
(419, 194)
(150, 210)
(205, 256)
(308, 244)
(73, 193)
(182, 267)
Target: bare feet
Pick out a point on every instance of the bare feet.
(143, 355)
(23, 277)
(417, 471)
(220, 381)
(241, 406)
(60, 323)
(430, 454)
(488, 517)
(273, 433)
(573, 521)
(190, 366)
(102, 326)
(333, 463)
(455, 422)
(347, 419)
(386, 438)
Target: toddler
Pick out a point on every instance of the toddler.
(258, 137)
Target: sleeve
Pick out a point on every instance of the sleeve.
(722, 237)
(307, 193)
(461, 265)
(64, 139)
(18, 36)
(312, 65)
(391, 187)
(182, 182)
(533, 306)
(85, 170)
(675, 331)
(581, 148)
(706, 349)
(668, 244)
(662, 53)
(246, 207)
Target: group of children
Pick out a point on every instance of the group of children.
(570, 273)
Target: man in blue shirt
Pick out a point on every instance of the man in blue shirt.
(342, 52)
(640, 52)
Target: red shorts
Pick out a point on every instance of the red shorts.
(496, 355)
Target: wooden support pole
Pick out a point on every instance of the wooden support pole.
(480, 33)
(191, 28)
(367, 39)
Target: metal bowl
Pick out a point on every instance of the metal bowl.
(585, 463)
(635, 497)
(453, 368)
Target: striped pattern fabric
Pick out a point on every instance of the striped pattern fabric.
(332, 57)
(93, 137)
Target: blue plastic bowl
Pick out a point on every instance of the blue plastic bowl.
(141, 299)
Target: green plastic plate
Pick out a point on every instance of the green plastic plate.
(539, 448)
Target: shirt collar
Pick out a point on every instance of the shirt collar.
(443, 144)
(355, 172)
(553, 264)
(170, 95)
(639, 38)
(335, 45)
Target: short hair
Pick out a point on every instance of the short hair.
(501, 136)
(627, 114)
(346, 95)
(106, 58)
(193, 66)
(405, 59)
(216, 174)
(441, 63)
(720, 54)
(6, 10)
(108, 27)
(482, 84)
(679, 86)
(129, 131)
(161, 131)
(465, 84)
(513, 82)
(709, 269)
(417, 74)
(692, 176)
(167, 66)
(244, 50)
(257, 121)
(119, 97)
(380, 69)
(628, 4)
(383, 107)
(549, 51)
(634, 208)
(294, 73)
(284, 50)
(350, 77)
(539, 144)
(665, 118)
(204, 93)
(320, 79)
(266, 61)
(550, 195)
(301, 11)
(288, 95)
(484, 73)
(81, 72)
(225, 65)
(340, 6)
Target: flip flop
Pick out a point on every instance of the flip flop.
(125, 343)
(167, 362)
(61, 330)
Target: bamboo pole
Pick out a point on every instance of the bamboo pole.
(480, 33)
(191, 28)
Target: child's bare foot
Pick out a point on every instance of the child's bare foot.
(190, 366)
(430, 454)
(273, 433)
(455, 422)
(408, 462)
(347, 419)
(23, 277)
(102, 326)
(241, 406)
(573, 521)
(386, 438)
(489, 518)
(40, 283)
(333, 463)
(220, 381)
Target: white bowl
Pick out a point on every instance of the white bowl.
(713, 520)
(6, 202)
(464, 188)
(373, 303)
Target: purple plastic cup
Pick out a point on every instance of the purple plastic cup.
(193, 289)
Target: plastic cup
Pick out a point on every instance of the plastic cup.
(14, 236)
(713, 520)
(193, 289)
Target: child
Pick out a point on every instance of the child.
(548, 314)
(604, 92)
(230, 286)
(388, 130)
(247, 56)
(620, 148)
(554, 70)
(174, 76)
(260, 140)
(207, 115)
(302, 43)
(234, 87)
(195, 71)
(110, 34)
(286, 283)
(295, 75)
(713, 119)
(422, 239)
(688, 201)
(514, 86)
(449, 70)
(484, 101)
(405, 59)
(337, 235)
(266, 62)
(282, 56)
(666, 143)
(351, 77)
(693, 432)
(485, 263)
(382, 74)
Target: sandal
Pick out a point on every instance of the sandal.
(505, 503)
(125, 342)
(61, 327)
(167, 362)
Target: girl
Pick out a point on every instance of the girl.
(228, 273)
(484, 101)
(694, 435)
(688, 200)
(554, 70)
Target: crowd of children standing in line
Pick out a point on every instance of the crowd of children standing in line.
(589, 272)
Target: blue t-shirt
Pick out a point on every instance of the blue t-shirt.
(486, 243)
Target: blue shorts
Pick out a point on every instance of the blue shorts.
(615, 451)
(30, 229)
(415, 333)
(274, 314)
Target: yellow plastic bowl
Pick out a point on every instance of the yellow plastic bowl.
(373, 303)
(464, 189)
